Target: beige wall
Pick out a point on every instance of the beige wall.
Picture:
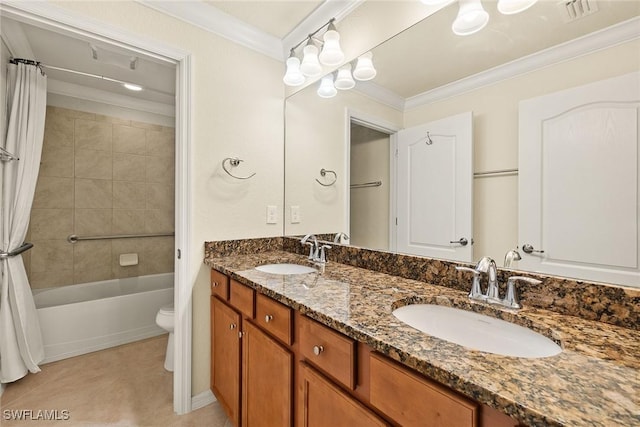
(369, 206)
(4, 60)
(495, 121)
(237, 108)
(100, 175)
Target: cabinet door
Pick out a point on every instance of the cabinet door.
(267, 380)
(322, 404)
(225, 358)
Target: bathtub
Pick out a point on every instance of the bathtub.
(79, 319)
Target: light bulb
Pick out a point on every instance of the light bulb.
(331, 52)
(293, 76)
(364, 68)
(471, 18)
(344, 81)
(310, 66)
(327, 89)
(510, 7)
(133, 87)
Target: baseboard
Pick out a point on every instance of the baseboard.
(202, 399)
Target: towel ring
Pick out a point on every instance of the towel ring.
(324, 172)
(234, 161)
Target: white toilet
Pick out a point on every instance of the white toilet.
(164, 319)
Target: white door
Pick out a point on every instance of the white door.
(434, 187)
(579, 182)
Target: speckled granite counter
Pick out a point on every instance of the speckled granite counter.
(595, 381)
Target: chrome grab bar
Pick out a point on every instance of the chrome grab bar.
(25, 247)
(73, 238)
(367, 184)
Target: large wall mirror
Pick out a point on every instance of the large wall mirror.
(344, 161)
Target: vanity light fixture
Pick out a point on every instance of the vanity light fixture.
(327, 88)
(344, 80)
(471, 18)
(364, 68)
(313, 60)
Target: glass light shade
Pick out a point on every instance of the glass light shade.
(344, 81)
(510, 7)
(327, 89)
(331, 52)
(133, 87)
(364, 68)
(310, 66)
(293, 76)
(471, 18)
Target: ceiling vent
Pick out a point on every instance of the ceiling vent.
(573, 10)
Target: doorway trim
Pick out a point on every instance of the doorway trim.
(372, 122)
(50, 16)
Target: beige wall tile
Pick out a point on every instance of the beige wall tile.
(96, 274)
(128, 221)
(159, 221)
(93, 193)
(128, 139)
(112, 120)
(160, 144)
(51, 224)
(52, 192)
(129, 167)
(58, 131)
(127, 246)
(89, 222)
(159, 255)
(129, 195)
(51, 255)
(50, 279)
(159, 196)
(160, 170)
(93, 164)
(71, 113)
(90, 255)
(147, 126)
(92, 135)
(56, 161)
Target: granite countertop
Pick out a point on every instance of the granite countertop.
(595, 381)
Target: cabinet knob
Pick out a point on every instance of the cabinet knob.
(317, 349)
(240, 334)
(215, 284)
(268, 318)
(232, 326)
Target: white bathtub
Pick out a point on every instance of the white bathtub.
(79, 319)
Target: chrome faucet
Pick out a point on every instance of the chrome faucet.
(510, 256)
(317, 251)
(339, 236)
(488, 265)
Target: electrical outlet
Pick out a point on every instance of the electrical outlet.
(295, 214)
(272, 214)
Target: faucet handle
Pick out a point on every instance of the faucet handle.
(323, 255)
(476, 291)
(511, 299)
(469, 270)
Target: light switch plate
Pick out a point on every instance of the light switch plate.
(295, 214)
(272, 214)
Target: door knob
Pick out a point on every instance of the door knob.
(527, 248)
(462, 241)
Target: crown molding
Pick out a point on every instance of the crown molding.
(605, 38)
(104, 97)
(380, 94)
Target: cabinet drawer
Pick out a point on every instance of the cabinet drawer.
(329, 350)
(242, 298)
(219, 284)
(410, 399)
(274, 318)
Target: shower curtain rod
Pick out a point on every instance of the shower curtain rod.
(82, 73)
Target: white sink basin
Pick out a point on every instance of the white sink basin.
(285, 269)
(477, 331)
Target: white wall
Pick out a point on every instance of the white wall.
(237, 111)
(495, 110)
(4, 60)
(316, 138)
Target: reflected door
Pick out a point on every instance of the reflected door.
(435, 182)
(579, 182)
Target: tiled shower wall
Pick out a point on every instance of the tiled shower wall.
(101, 175)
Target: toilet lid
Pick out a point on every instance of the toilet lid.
(167, 309)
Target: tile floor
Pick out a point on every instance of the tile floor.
(124, 386)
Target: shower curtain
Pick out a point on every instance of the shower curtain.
(21, 347)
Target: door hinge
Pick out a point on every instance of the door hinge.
(179, 253)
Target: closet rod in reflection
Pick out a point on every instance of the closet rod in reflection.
(73, 238)
(501, 172)
(367, 184)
